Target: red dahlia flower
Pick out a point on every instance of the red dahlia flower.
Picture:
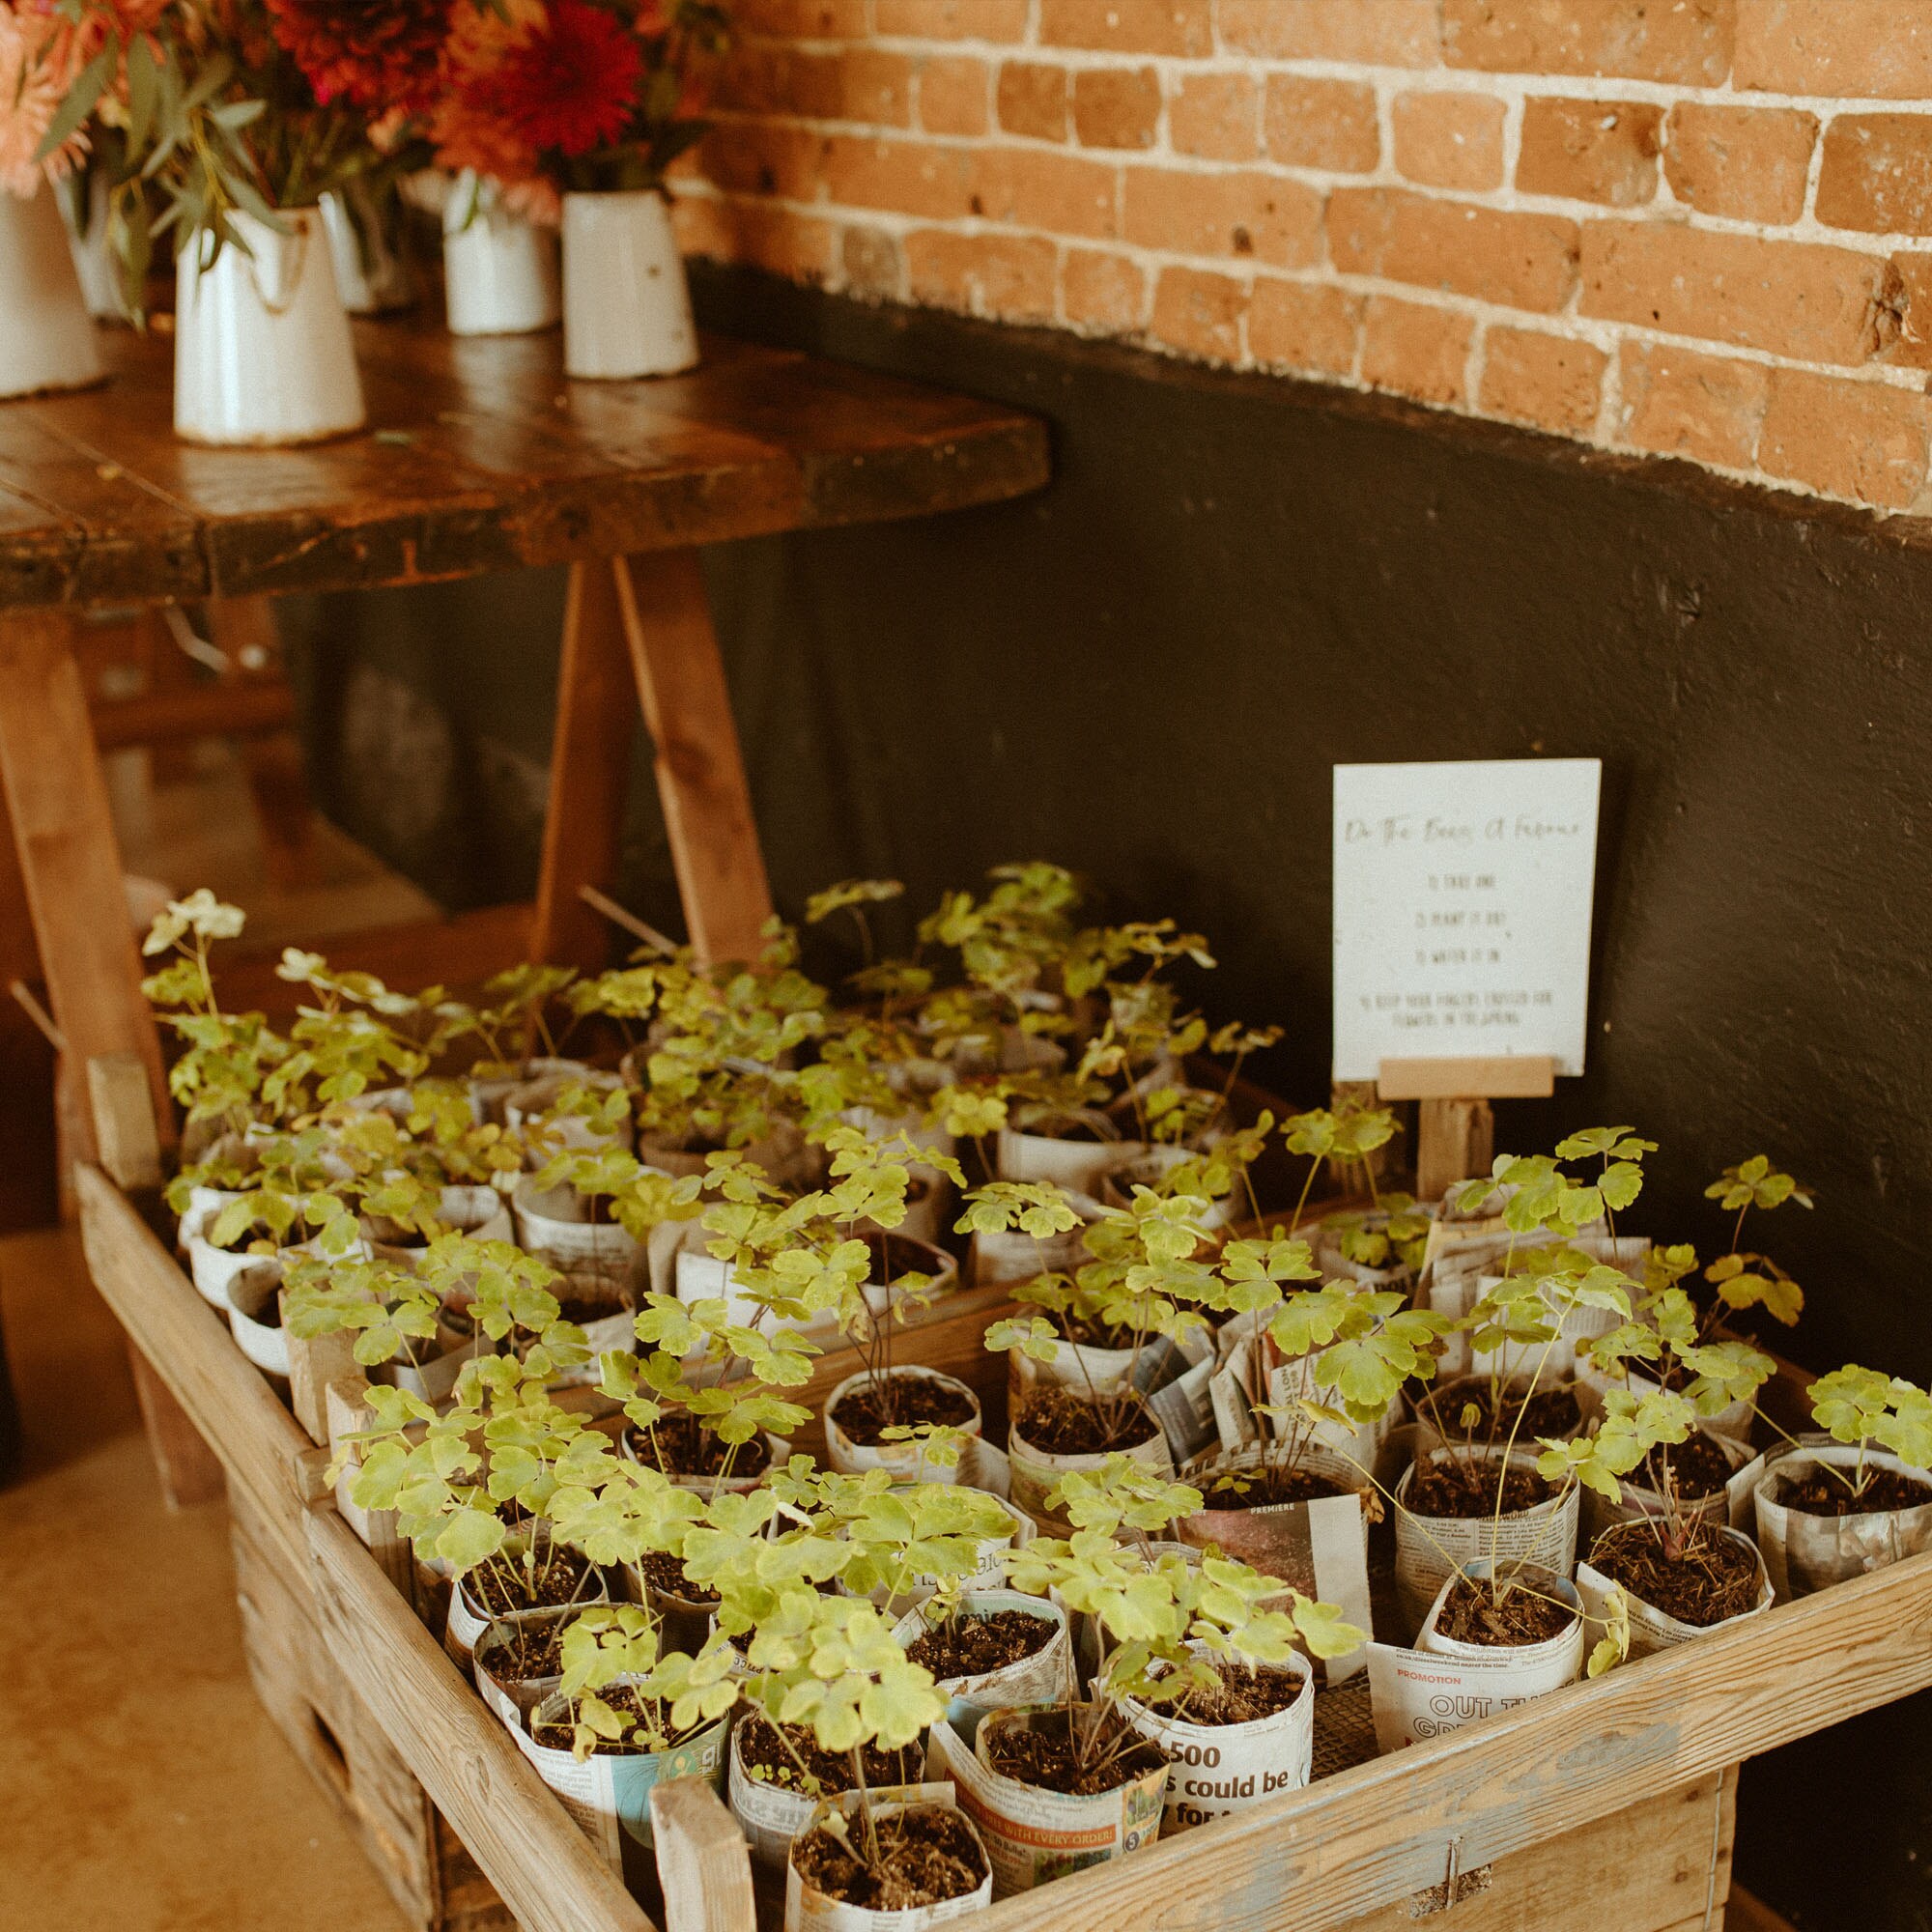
(572, 82)
(380, 54)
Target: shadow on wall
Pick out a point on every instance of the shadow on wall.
(1147, 673)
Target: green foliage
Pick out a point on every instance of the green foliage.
(1871, 1409)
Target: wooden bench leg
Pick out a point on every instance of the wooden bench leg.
(700, 771)
(70, 870)
(589, 769)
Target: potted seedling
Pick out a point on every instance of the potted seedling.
(608, 1734)
(1298, 1501)
(1074, 1781)
(1682, 1570)
(599, 1210)
(703, 1406)
(1857, 1497)
(523, 1031)
(1061, 1426)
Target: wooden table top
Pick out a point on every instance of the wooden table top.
(479, 456)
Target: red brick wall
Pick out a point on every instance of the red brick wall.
(1701, 228)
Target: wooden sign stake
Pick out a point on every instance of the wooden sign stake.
(1456, 1135)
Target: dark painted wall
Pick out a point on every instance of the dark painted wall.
(1147, 673)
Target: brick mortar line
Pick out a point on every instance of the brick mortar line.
(1662, 208)
(1560, 325)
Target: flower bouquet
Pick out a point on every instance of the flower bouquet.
(572, 112)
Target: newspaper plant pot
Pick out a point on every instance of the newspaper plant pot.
(809, 1910)
(1215, 1768)
(1446, 1399)
(1444, 1685)
(374, 277)
(1231, 1398)
(252, 1292)
(1146, 1166)
(778, 1453)
(1733, 1505)
(1044, 1678)
(1013, 1257)
(529, 1104)
(609, 1794)
(929, 1193)
(769, 1815)
(1032, 1835)
(1035, 1472)
(489, 1092)
(1321, 1547)
(1464, 1258)
(434, 1375)
(47, 336)
(466, 1621)
(907, 1460)
(479, 1212)
(263, 353)
(990, 1572)
(1652, 1629)
(1177, 1382)
(213, 1269)
(499, 271)
(1079, 1165)
(555, 1224)
(626, 306)
(1545, 1535)
(514, 1698)
(1806, 1554)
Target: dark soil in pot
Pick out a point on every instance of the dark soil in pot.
(676, 1445)
(1242, 1696)
(768, 1760)
(895, 1255)
(926, 1856)
(664, 1574)
(529, 1652)
(624, 1699)
(1042, 1754)
(1708, 1578)
(1697, 1469)
(503, 1584)
(1473, 1613)
(1266, 1487)
(899, 1402)
(1819, 1492)
(1460, 1488)
(1554, 1411)
(1058, 1421)
(583, 1302)
(970, 1646)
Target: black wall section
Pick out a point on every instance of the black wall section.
(1148, 671)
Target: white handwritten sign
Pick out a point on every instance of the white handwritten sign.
(1462, 910)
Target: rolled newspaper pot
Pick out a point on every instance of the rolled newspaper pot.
(514, 1698)
(1734, 1504)
(907, 1459)
(529, 1109)
(810, 1910)
(255, 1315)
(1319, 1546)
(1037, 1472)
(1034, 1835)
(1805, 1552)
(777, 1448)
(1652, 1629)
(1040, 1679)
(1078, 1164)
(489, 1091)
(555, 1224)
(1442, 1684)
(1428, 1550)
(468, 1616)
(1215, 1768)
(608, 1794)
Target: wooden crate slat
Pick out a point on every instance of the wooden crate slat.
(264, 1449)
(1664, 1863)
(545, 1869)
(1375, 1836)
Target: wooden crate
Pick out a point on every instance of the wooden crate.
(1606, 1804)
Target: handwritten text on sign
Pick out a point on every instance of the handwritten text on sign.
(1462, 910)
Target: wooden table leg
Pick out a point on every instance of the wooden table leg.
(589, 773)
(70, 866)
(700, 771)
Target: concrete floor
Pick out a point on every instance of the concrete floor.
(142, 1788)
